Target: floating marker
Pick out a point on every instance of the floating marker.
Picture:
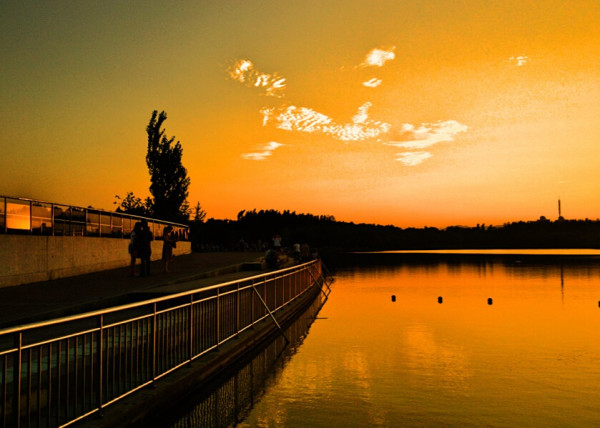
(440, 299)
(490, 301)
(393, 297)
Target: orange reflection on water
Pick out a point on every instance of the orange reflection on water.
(527, 358)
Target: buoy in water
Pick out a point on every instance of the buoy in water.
(440, 299)
(490, 301)
(393, 297)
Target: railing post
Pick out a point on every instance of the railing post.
(191, 328)
(154, 343)
(237, 317)
(18, 380)
(100, 362)
(217, 321)
(252, 307)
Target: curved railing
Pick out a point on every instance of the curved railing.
(21, 215)
(57, 372)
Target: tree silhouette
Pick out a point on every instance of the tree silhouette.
(168, 177)
(199, 213)
(133, 205)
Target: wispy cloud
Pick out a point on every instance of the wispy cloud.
(305, 119)
(372, 83)
(519, 61)
(414, 140)
(424, 136)
(243, 71)
(377, 57)
(263, 151)
(413, 158)
(428, 134)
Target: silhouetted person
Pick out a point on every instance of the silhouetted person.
(305, 252)
(134, 247)
(271, 258)
(277, 242)
(145, 248)
(296, 252)
(169, 242)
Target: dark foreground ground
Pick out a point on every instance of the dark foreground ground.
(61, 297)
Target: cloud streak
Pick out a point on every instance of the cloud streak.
(519, 61)
(414, 140)
(263, 151)
(424, 136)
(372, 83)
(304, 119)
(377, 57)
(243, 71)
(413, 158)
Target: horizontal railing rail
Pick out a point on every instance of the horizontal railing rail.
(30, 216)
(57, 372)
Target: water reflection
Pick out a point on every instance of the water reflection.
(530, 359)
(228, 402)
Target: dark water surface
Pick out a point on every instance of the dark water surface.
(530, 356)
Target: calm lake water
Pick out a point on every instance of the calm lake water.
(530, 358)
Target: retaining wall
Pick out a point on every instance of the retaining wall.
(26, 258)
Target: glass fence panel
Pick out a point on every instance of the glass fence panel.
(18, 215)
(77, 221)
(158, 230)
(179, 233)
(105, 224)
(93, 223)
(62, 220)
(117, 225)
(41, 218)
(127, 227)
(37, 217)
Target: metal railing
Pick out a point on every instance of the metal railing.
(29, 216)
(57, 372)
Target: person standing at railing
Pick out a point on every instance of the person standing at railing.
(145, 248)
(169, 242)
(134, 247)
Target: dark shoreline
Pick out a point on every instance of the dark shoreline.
(355, 258)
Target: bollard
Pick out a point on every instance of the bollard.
(490, 301)
(393, 297)
(440, 300)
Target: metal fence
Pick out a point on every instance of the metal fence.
(29, 216)
(57, 372)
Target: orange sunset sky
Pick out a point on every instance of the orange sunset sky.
(408, 112)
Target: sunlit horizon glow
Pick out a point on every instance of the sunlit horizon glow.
(407, 113)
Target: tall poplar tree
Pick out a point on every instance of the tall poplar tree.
(168, 177)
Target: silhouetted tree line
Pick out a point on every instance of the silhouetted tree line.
(324, 232)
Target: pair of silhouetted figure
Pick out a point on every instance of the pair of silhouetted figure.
(140, 247)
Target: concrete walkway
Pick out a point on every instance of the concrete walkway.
(66, 296)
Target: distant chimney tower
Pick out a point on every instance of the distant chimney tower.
(559, 213)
